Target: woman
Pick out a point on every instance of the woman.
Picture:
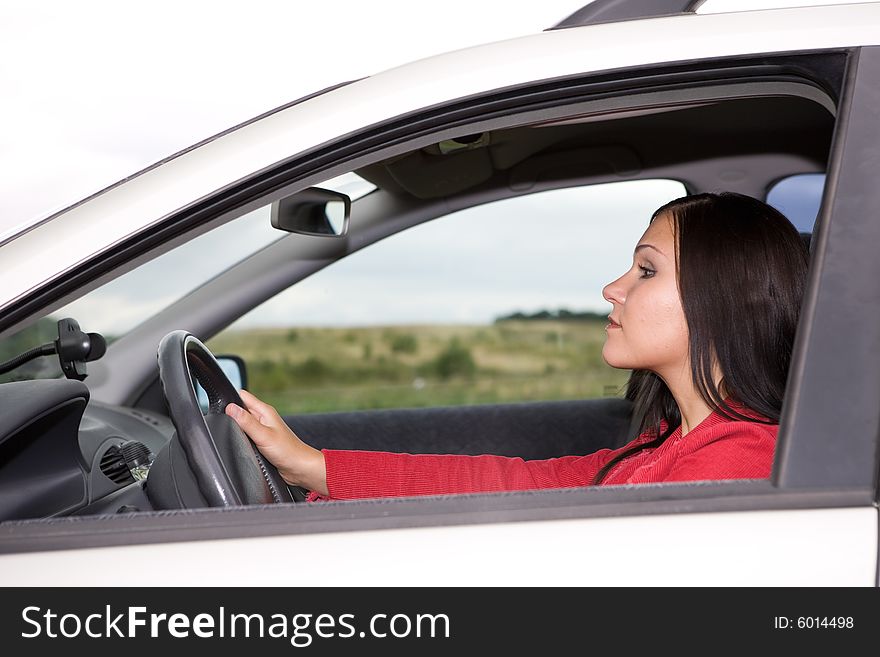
(705, 317)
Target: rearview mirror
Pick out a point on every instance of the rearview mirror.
(313, 211)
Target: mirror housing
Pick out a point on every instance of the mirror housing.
(313, 211)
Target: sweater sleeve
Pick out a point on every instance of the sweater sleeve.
(361, 474)
(735, 450)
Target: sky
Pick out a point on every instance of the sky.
(95, 90)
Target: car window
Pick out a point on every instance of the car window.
(118, 306)
(497, 303)
(798, 198)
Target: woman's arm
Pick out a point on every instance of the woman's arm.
(357, 474)
(344, 474)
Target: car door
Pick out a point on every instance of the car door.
(820, 501)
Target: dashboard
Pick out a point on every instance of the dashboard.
(62, 454)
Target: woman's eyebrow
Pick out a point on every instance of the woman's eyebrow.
(648, 246)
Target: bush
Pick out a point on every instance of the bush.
(456, 360)
(269, 375)
(312, 369)
(404, 343)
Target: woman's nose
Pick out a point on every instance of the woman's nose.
(614, 292)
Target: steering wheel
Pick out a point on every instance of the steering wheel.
(223, 463)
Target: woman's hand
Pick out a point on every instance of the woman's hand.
(298, 464)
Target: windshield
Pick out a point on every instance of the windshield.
(118, 306)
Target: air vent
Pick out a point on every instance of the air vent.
(114, 467)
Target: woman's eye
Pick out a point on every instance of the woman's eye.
(646, 272)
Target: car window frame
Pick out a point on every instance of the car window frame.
(703, 79)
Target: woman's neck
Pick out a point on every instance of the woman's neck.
(693, 411)
(690, 404)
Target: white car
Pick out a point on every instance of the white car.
(548, 151)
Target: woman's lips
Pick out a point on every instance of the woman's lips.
(612, 324)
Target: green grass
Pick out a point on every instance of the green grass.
(303, 370)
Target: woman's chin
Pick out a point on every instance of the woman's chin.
(613, 358)
(609, 358)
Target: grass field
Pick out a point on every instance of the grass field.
(304, 370)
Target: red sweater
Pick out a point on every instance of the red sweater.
(717, 448)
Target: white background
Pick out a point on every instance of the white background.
(95, 90)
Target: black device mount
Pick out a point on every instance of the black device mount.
(73, 346)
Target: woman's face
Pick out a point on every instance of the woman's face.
(647, 328)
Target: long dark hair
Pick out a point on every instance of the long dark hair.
(742, 268)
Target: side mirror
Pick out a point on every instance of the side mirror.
(313, 211)
(234, 369)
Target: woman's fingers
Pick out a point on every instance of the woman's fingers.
(259, 431)
(263, 411)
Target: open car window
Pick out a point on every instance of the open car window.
(498, 303)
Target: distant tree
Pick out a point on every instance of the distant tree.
(455, 360)
(405, 343)
(312, 370)
(561, 315)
